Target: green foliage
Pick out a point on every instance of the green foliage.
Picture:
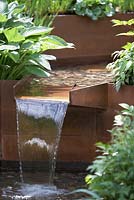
(124, 5)
(87, 192)
(123, 65)
(128, 23)
(21, 44)
(112, 173)
(117, 22)
(59, 6)
(94, 9)
(44, 11)
(38, 9)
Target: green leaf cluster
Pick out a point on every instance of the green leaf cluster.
(111, 175)
(94, 9)
(124, 5)
(44, 11)
(123, 65)
(22, 44)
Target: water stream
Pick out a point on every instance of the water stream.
(39, 124)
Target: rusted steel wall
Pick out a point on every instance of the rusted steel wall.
(78, 135)
(8, 121)
(94, 41)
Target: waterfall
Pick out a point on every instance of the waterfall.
(39, 124)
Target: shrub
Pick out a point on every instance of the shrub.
(112, 175)
(123, 65)
(124, 5)
(44, 11)
(94, 9)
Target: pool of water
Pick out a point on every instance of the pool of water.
(12, 187)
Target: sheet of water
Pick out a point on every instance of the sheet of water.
(39, 124)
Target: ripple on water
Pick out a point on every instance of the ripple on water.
(23, 191)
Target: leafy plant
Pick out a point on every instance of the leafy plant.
(60, 6)
(38, 9)
(21, 44)
(112, 173)
(94, 9)
(123, 65)
(124, 5)
(44, 11)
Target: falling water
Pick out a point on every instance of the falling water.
(41, 111)
(39, 124)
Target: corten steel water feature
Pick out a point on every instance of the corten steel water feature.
(90, 114)
(79, 129)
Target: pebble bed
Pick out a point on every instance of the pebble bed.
(81, 76)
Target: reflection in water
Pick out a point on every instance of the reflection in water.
(39, 124)
(40, 143)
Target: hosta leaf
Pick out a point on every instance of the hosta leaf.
(36, 31)
(24, 20)
(36, 47)
(3, 18)
(55, 42)
(13, 35)
(37, 71)
(40, 60)
(3, 6)
(14, 55)
(21, 40)
(18, 9)
(31, 46)
(12, 5)
(1, 30)
(27, 44)
(9, 47)
(49, 57)
(21, 22)
(14, 9)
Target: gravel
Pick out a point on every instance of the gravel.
(81, 76)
